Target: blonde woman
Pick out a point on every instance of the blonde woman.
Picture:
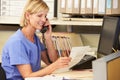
(23, 52)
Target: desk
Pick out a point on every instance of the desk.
(74, 75)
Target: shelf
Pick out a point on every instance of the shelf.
(80, 22)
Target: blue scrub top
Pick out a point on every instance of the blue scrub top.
(19, 50)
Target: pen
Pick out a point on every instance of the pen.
(114, 50)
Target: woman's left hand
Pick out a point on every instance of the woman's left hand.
(49, 31)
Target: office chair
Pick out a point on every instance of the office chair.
(2, 73)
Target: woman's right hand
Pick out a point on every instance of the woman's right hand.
(61, 62)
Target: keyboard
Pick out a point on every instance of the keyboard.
(85, 63)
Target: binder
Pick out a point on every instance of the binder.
(115, 7)
(69, 6)
(62, 6)
(101, 7)
(73, 6)
(95, 6)
(109, 7)
(83, 4)
(89, 4)
(76, 7)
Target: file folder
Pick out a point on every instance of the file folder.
(95, 6)
(116, 7)
(109, 7)
(89, 4)
(83, 4)
(62, 6)
(69, 6)
(76, 6)
(73, 6)
(101, 6)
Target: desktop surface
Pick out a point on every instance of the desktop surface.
(85, 74)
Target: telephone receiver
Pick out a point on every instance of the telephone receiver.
(44, 29)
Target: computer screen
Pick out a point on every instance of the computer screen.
(109, 37)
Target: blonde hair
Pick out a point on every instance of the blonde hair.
(32, 6)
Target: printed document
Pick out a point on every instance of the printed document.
(77, 53)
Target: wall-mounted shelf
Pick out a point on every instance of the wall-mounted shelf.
(81, 22)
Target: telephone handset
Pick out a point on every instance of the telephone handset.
(44, 29)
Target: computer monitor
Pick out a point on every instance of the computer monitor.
(109, 37)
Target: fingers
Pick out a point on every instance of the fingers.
(63, 62)
(65, 59)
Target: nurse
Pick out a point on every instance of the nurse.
(23, 52)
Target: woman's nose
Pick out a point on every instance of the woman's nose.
(44, 19)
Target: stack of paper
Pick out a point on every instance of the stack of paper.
(48, 77)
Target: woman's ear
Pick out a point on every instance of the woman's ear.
(27, 15)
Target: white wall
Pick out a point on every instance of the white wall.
(90, 39)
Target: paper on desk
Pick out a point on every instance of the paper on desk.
(48, 77)
(77, 53)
